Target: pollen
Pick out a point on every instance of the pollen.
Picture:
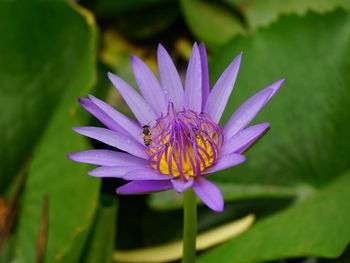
(184, 143)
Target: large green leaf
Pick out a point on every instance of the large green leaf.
(101, 245)
(38, 60)
(307, 145)
(262, 12)
(53, 48)
(211, 22)
(318, 226)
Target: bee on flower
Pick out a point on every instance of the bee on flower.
(182, 141)
(147, 139)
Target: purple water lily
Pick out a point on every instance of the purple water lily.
(179, 126)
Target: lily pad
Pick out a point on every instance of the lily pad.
(263, 12)
(315, 227)
(211, 22)
(53, 63)
(102, 237)
(307, 145)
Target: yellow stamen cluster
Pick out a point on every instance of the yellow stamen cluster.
(184, 143)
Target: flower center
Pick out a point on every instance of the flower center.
(184, 143)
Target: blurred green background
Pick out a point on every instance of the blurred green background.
(296, 180)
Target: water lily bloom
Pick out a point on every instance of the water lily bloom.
(176, 141)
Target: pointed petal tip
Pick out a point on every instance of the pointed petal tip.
(77, 129)
(95, 172)
(120, 191)
(112, 77)
(263, 126)
(179, 185)
(95, 100)
(82, 100)
(242, 159)
(238, 58)
(81, 129)
(218, 209)
(209, 193)
(276, 85)
(91, 173)
(161, 50)
(160, 46)
(236, 63)
(134, 59)
(70, 156)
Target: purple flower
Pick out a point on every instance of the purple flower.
(176, 140)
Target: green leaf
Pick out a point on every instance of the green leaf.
(318, 226)
(7, 252)
(101, 241)
(32, 78)
(211, 22)
(345, 257)
(307, 145)
(262, 12)
(54, 63)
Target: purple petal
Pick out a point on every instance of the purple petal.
(171, 83)
(128, 172)
(209, 193)
(136, 103)
(225, 161)
(111, 171)
(143, 187)
(146, 174)
(222, 89)
(128, 125)
(248, 110)
(114, 139)
(100, 115)
(205, 74)
(180, 185)
(107, 158)
(193, 82)
(244, 138)
(149, 86)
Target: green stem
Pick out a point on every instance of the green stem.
(190, 227)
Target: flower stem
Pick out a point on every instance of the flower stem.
(190, 227)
